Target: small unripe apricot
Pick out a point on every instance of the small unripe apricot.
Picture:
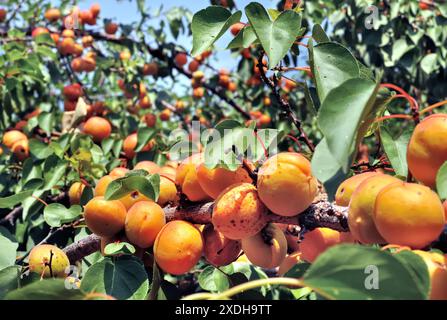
(13, 136)
(437, 269)
(289, 262)
(181, 59)
(361, 208)
(73, 92)
(214, 181)
(236, 28)
(347, 187)
(111, 28)
(267, 249)
(238, 212)
(38, 31)
(149, 166)
(186, 178)
(144, 221)
(409, 214)
(218, 249)
(150, 69)
(168, 192)
(40, 258)
(178, 247)
(75, 192)
(52, 14)
(98, 128)
(21, 149)
(105, 218)
(426, 151)
(286, 185)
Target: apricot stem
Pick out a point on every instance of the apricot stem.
(433, 106)
(394, 116)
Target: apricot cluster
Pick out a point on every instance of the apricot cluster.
(18, 143)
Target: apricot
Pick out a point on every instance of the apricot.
(73, 92)
(87, 17)
(132, 198)
(111, 28)
(165, 115)
(38, 31)
(125, 55)
(2, 15)
(264, 120)
(317, 241)
(150, 120)
(145, 102)
(236, 28)
(168, 172)
(214, 181)
(445, 208)
(66, 46)
(88, 64)
(408, 214)
(144, 221)
(286, 185)
(238, 212)
(289, 262)
(427, 151)
(267, 101)
(181, 59)
(21, 149)
(53, 14)
(150, 69)
(55, 37)
(118, 172)
(178, 247)
(232, 87)
(13, 136)
(130, 143)
(76, 65)
(437, 269)
(347, 187)
(198, 92)
(98, 128)
(40, 258)
(105, 218)
(168, 192)
(361, 208)
(102, 184)
(95, 9)
(218, 249)
(68, 33)
(149, 166)
(75, 192)
(186, 178)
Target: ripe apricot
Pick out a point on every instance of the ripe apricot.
(426, 151)
(38, 31)
(130, 143)
(150, 69)
(180, 59)
(437, 269)
(218, 249)
(98, 128)
(232, 87)
(145, 102)
(144, 221)
(238, 212)
(286, 185)
(132, 198)
(289, 262)
(125, 55)
(149, 166)
(266, 249)
(347, 187)
(111, 28)
(21, 149)
(186, 178)
(178, 247)
(87, 17)
(66, 46)
(68, 33)
(319, 240)
(102, 184)
(95, 9)
(361, 207)
(2, 14)
(13, 136)
(445, 208)
(214, 181)
(194, 66)
(73, 91)
(264, 120)
(104, 218)
(236, 28)
(75, 192)
(53, 14)
(168, 172)
(118, 172)
(168, 192)
(40, 258)
(198, 92)
(409, 214)
(76, 65)
(150, 120)
(165, 115)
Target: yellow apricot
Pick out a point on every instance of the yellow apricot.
(218, 249)
(104, 218)
(168, 192)
(408, 214)
(286, 185)
(347, 187)
(75, 192)
(13, 136)
(437, 269)
(132, 198)
(102, 184)
(186, 178)
(40, 258)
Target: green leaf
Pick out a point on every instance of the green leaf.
(117, 248)
(123, 278)
(298, 270)
(48, 289)
(143, 137)
(348, 272)
(396, 149)
(56, 214)
(243, 39)
(11, 201)
(332, 64)
(147, 185)
(8, 252)
(441, 181)
(208, 25)
(54, 170)
(46, 121)
(215, 279)
(39, 149)
(9, 280)
(428, 63)
(319, 35)
(276, 36)
(417, 267)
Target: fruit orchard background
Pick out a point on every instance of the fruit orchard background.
(89, 105)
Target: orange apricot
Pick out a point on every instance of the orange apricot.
(144, 221)
(347, 187)
(125, 55)
(105, 218)
(42, 255)
(238, 212)
(150, 120)
(165, 115)
(361, 208)
(130, 143)
(437, 269)
(427, 151)
(13, 136)
(149, 166)
(180, 59)
(236, 28)
(111, 28)
(178, 247)
(186, 178)
(286, 185)
(95, 9)
(168, 192)
(2, 14)
(289, 262)
(38, 31)
(102, 184)
(21, 149)
(73, 92)
(118, 172)
(53, 14)
(168, 172)
(218, 249)
(75, 192)
(408, 214)
(98, 128)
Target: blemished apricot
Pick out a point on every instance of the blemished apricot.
(105, 218)
(130, 143)
(286, 185)
(437, 269)
(38, 31)
(13, 136)
(40, 258)
(168, 192)
(236, 28)
(111, 28)
(266, 249)
(73, 91)
(75, 192)
(178, 247)
(118, 172)
(408, 214)
(150, 69)
(214, 181)
(20, 149)
(98, 128)
(181, 59)
(2, 14)
(149, 166)
(186, 178)
(347, 187)
(319, 240)
(144, 221)
(132, 198)
(426, 151)
(238, 212)
(95, 9)
(289, 262)
(218, 249)
(361, 207)
(53, 14)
